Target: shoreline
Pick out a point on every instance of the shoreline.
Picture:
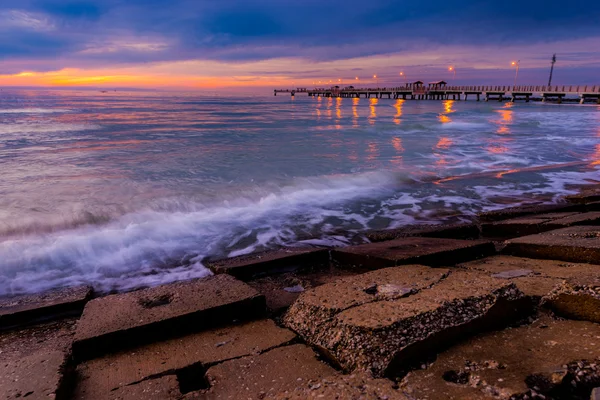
(313, 318)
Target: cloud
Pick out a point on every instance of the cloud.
(37, 34)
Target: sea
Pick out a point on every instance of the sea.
(128, 189)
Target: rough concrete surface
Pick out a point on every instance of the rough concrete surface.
(278, 371)
(573, 244)
(383, 336)
(28, 308)
(534, 277)
(103, 375)
(33, 361)
(412, 250)
(269, 262)
(360, 386)
(127, 319)
(551, 358)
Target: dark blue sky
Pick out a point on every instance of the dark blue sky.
(277, 40)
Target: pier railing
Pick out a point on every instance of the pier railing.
(568, 89)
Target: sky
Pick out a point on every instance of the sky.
(295, 43)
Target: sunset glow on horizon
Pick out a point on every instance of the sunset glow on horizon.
(261, 44)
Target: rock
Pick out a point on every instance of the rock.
(192, 353)
(119, 321)
(588, 218)
(273, 286)
(551, 358)
(294, 289)
(358, 386)
(520, 211)
(255, 265)
(513, 273)
(595, 394)
(522, 226)
(577, 298)
(162, 388)
(574, 244)
(34, 361)
(412, 250)
(386, 335)
(324, 302)
(29, 308)
(535, 278)
(278, 371)
(448, 231)
(587, 195)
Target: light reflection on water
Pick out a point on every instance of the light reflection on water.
(128, 189)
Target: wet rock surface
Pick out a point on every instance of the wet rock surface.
(193, 353)
(384, 335)
(358, 386)
(124, 320)
(412, 250)
(514, 212)
(577, 297)
(465, 329)
(29, 308)
(527, 225)
(34, 361)
(535, 278)
(453, 231)
(278, 371)
(282, 290)
(271, 262)
(548, 359)
(573, 244)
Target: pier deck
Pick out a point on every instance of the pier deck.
(514, 93)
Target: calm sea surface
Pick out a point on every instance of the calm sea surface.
(130, 189)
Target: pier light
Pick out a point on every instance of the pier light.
(516, 64)
(453, 70)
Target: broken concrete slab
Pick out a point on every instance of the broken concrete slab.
(30, 308)
(520, 211)
(588, 218)
(282, 290)
(114, 322)
(412, 250)
(535, 278)
(193, 352)
(325, 301)
(360, 386)
(448, 231)
(161, 388)
(555, 359)
(586, 195)
(34, 361)
(577, 298)
(275, 372)
(388, 335)
(522, 226)
(574, 244)
(255, 265)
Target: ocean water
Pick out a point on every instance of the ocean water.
(129, 189)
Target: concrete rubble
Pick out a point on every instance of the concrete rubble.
(431, 312)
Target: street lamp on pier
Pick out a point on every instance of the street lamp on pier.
(376, 79)
(452, 69)
(402, 74)
(516, 64)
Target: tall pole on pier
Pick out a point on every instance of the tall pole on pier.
(376, 79)
(551, 69)
(517, 72)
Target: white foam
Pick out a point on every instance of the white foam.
(151, 247)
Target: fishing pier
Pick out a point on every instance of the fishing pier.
(441, 91)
